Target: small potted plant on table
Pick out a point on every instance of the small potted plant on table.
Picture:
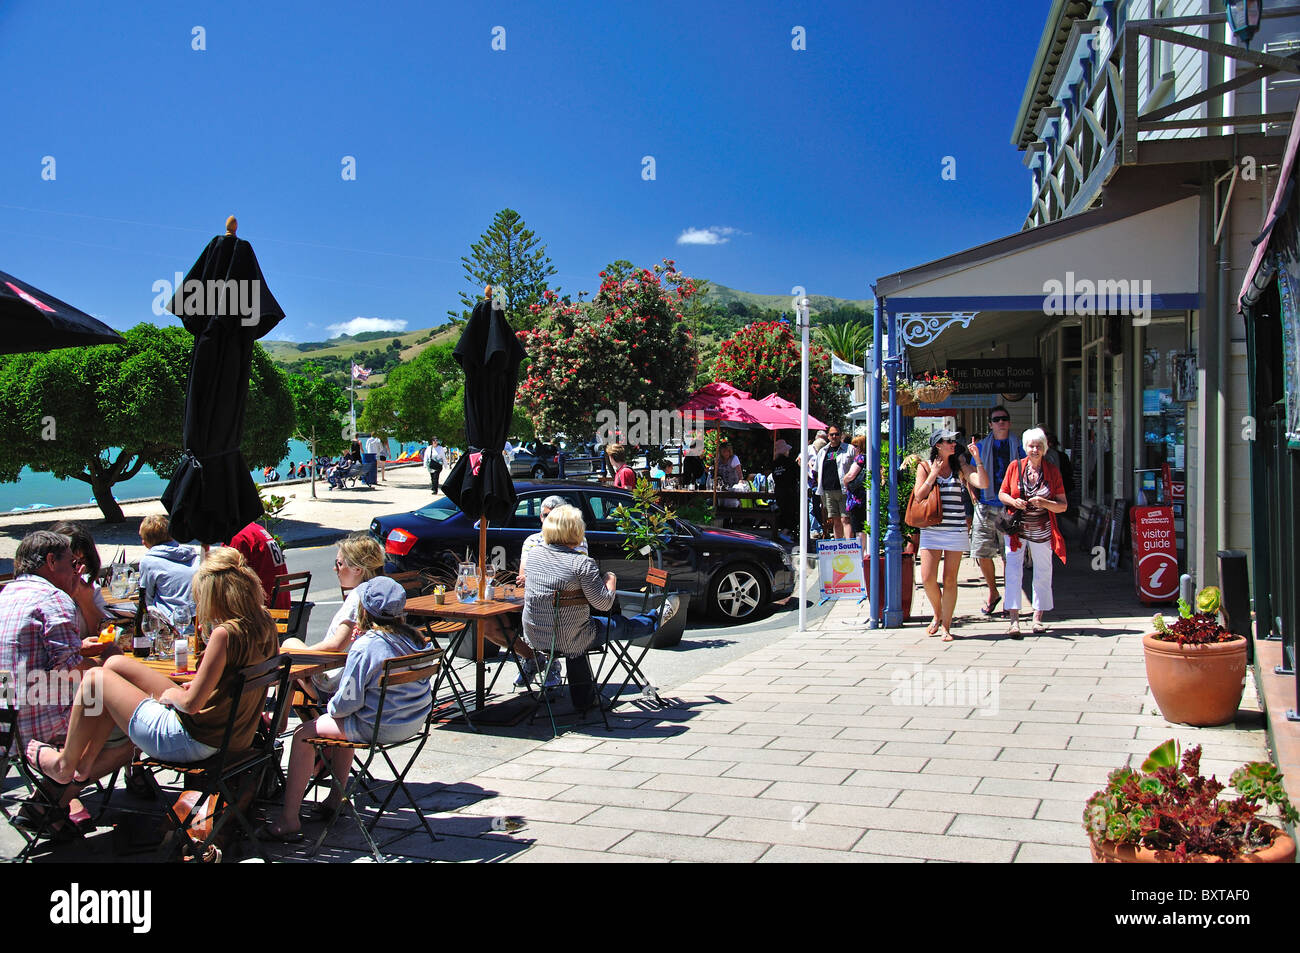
(1196, 668)
(1167, 812)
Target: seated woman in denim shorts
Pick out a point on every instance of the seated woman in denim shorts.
(181, 723)
(352, 709)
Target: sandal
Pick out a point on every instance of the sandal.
(988, 608)
(1013, 630)
(267, 833)
(932, 628)
(1039, 628)
(35, 763)
(948, 636)
(322, 812)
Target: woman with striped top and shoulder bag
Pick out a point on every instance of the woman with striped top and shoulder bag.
(946, 542)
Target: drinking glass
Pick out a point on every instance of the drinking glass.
(164, 639)
(150, 625)
(118, 582)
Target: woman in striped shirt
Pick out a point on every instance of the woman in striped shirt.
(946, 542)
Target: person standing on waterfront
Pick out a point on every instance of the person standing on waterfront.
(435, 458)
(997, 450)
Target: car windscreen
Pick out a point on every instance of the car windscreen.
(438, 510)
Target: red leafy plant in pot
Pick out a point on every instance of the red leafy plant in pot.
(1169, 806)
(1191, 628)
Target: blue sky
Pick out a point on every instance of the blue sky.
(818, 167)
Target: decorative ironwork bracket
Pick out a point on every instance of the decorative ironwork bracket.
(918, 330)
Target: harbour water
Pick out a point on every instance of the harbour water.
(37, 490)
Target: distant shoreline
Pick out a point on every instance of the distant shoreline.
(296, 481)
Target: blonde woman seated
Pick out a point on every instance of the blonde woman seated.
(181, 723)
(358, 560)
(558, 566)
(382, 634)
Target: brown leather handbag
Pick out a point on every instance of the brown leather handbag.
(927, 512)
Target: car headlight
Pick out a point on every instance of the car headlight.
(786, 561)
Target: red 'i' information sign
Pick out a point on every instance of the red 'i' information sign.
(1155, 553)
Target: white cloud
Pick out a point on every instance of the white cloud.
(282, 336)
(713, 235)
(357, 325)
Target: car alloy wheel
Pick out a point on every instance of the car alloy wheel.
(738, 592)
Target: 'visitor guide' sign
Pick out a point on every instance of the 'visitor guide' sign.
(839, 563)
(1155, 553)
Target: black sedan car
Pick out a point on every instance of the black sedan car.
(733, 574)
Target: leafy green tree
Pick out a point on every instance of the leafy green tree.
(100, 414)
(319, 411)
(764, 358)
(419, 399)
(507, 256)
(629, 344)
(848, 341)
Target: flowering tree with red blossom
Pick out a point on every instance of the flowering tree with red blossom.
(763, 358)
(629, 343)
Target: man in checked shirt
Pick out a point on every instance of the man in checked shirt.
(41, 654)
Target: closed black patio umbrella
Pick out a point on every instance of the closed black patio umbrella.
(31, 320)
(226, 305)
(490, 355)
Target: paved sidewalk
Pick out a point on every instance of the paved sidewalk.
(812, 750)
(839, 744)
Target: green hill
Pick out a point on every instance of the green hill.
(722, 295)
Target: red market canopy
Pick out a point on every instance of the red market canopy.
(730, 407)
(791, 412)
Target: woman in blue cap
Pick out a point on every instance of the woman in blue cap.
(384, 634)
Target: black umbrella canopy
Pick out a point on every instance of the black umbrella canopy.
(31, 320)
(490, 355)
(226, 305)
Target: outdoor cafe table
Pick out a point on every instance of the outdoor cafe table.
(305, 664)
(471, 613)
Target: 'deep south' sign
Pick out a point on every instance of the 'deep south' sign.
(1006, 375)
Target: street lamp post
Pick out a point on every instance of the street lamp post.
(801, 316)
(1244, 17)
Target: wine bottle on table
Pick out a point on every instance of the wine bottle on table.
(140, 643)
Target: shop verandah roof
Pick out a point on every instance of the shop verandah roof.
(1142, 241)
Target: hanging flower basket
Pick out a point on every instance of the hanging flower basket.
(910, 410)
(905, 396)
(933, 393)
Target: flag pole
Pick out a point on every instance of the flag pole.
(801, 315)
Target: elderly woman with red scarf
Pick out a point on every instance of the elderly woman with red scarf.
(1033, 487)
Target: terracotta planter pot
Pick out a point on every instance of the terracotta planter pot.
(1197, 685)
(909, 583)
(1281, 851)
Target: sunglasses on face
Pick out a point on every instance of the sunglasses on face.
(1000, 420)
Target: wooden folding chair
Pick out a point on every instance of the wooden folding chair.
(562, 599)
(218, 775)
(624, 656)
(404, 669)
(296, 585)
(27, 804)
